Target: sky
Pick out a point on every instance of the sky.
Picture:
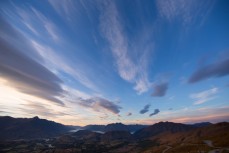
(81, 62)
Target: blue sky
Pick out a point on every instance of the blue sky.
(97, 62)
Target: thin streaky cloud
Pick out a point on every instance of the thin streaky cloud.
(128, 69)
(204, 96)
(52, 59)
(40, 110)
(65, 9)
(49, 26)
(57, 62)
(186, 12)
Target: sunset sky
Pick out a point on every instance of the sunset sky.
(85, 62)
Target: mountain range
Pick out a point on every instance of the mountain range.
(40, 135)
(29, 128)
(33, 128)
(114, 127)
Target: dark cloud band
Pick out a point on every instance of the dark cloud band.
(217, 69)
(24, 73)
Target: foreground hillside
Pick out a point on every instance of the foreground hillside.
(163, 137)
(212, 139)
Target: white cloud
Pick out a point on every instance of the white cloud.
(71, 94)
(112, 30)
(41, 25)
(50, 27)
(204, 96)
(33, 18)
(134, 71)
(185, 11)
(33, 30)
(66, 9)
(51, 58)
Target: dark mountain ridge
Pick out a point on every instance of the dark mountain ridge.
(160, 137)
(34, 128)
(204, 139)
(115, 127)
(162, 127)
(201, 124)
(29, 128)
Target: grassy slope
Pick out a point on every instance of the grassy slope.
(192, 141)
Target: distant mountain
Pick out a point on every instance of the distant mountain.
(74, 127)
(82, 133)
(131, 128)
(114, 127)
(94, 127)
(29, 128)
(87, 135)
(162, 127)
(136, 127)
(202, 124)
(117, 136)
(161, 137)
(108, 136)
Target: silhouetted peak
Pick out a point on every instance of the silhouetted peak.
(119, 123)
(36, 118)
(201, 124)
(29, 128)
(162, 127)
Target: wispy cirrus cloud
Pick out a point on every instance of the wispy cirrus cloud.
(156, 111)
(49, 26)
(99, 104)
(48, 63)
(204, 96)
(52, 61)
(55, 61)
(133, 71)
(187, 12)
(65, 9)
(34, 20)
(145, 109)
(41, 26)
(35, 108)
